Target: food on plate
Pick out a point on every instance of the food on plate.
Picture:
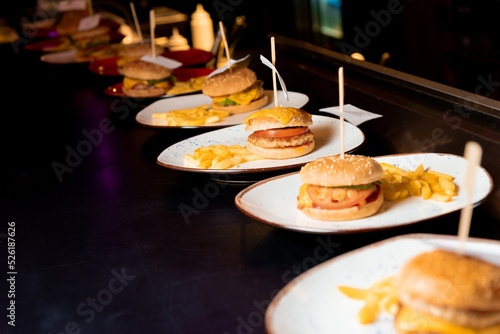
(236, 90)
(439, 291)
(192, 116)
(189, 86)
(280, 133)
(428, 184)
(90, 42)
(220, 156)
(337, 188)
(381, 296)
(69, 22)
(146, 79)
(135, 52)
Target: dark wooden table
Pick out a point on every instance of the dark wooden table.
(103, 240)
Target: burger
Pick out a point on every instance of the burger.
(146, 79)
(279, 133)
(337, 188)
(135, 52)
(90, 42)
(443, 292)
(235, 90)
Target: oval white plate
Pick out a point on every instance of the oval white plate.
(274, 201)
(61, 57)
(311, 303)
(326, 136)
(144, 117)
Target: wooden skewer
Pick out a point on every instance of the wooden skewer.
(152, 24)
(136, 22)
(273, 60)
(90, 7)
(473, 154)
(224, 40)
(341, 105)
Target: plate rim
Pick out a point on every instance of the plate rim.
(268, 316)
(253, 170)
(205, 126)
(238, 200)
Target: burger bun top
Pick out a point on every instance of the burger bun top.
(447, 279)
(334, 171)
(270, 118)
(232, 80)
(144, 70)
(139, 50)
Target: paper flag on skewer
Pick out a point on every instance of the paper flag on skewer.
(352, 114)
(266, 62)
(162, 61)
(231, 62)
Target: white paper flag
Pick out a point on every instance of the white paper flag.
(162, 61)
(271, 66)
(231, 62)
(89, 22)
(352, 114)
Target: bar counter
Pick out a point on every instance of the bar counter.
(108, 241)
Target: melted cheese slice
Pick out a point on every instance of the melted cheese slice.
(303, 200)
(128, 83)
(241, 98)
(282, 114)
(410, 321)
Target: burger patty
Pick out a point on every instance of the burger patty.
(276, 142)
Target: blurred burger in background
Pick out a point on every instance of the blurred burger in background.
(146, 79)
(135, 52)
(235, 90)
(89, 43)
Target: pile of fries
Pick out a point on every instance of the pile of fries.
(380, 297)
(399, 184)
(192, 116)
(188, 86)
(220, 156)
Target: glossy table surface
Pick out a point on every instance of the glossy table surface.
(108, 241)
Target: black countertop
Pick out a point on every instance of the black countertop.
(108, 241)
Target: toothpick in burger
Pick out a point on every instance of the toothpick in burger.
(280, 133)
(235, 90)
(338, 189)
(443, 292)
(146, 79)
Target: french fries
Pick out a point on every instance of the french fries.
(380, 297)
(192, 116)
(188, 86)
(220, 156)
(399, 184)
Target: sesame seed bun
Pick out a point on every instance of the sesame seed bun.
(459, 289)
(143, 70)
(333, 171)
(233, 80)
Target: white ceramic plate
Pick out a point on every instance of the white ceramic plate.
(274, 201)
(312, 304)
(144, 117)
(61, 57)
(326, 136)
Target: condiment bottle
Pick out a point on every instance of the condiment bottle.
(202, 30)
(177, 42)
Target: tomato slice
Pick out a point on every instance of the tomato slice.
(285, 132)
(336, 198)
